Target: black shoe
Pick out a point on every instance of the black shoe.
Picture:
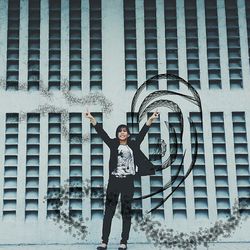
(122, 247)
(102, 246)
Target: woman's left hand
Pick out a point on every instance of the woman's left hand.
(152, 117)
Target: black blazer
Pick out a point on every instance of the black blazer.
(145, 167)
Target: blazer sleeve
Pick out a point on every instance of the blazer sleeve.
(102, 133)
(142, 134)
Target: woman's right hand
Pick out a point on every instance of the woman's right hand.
(90, 117)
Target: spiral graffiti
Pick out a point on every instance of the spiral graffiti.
(148, 104)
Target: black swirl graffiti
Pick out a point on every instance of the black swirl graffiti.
(148, 104)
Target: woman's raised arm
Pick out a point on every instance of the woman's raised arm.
(146, 126)
(100, 131)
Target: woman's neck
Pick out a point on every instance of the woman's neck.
(123, 142)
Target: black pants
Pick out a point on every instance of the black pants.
(125, 186)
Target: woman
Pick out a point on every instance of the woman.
(126, 161)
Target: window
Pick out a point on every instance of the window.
(34, 45)
(199, 170)
(247, 3)
(54, 164)
(213, 50)
(75, 65)
(192, 43)
(13, 45)
(10, 167)
(171, 42)
(220, 165)
(241, 158)
(130, 44)
(95, 45)
(151, 56)
(156, 181)
(75, 165)
(233, 43)
(96, 149)
(32, 166)
(179, 196)
(54, 44)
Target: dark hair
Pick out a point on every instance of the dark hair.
(120, 127)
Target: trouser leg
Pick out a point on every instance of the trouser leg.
(126, 200)
(110, 206)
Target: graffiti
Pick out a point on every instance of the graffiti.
(148, 104)
(59, 203)
(155, 231)
(89, 99)
(163, 237)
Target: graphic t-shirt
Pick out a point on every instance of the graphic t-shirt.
(125, 163)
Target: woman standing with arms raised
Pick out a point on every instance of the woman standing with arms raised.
(126, 161)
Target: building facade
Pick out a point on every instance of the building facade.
(60, 57)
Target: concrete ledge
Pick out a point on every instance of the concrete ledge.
(131, 246)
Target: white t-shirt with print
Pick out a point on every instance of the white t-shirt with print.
(125, 163)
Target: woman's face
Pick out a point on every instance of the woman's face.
(123, 134)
